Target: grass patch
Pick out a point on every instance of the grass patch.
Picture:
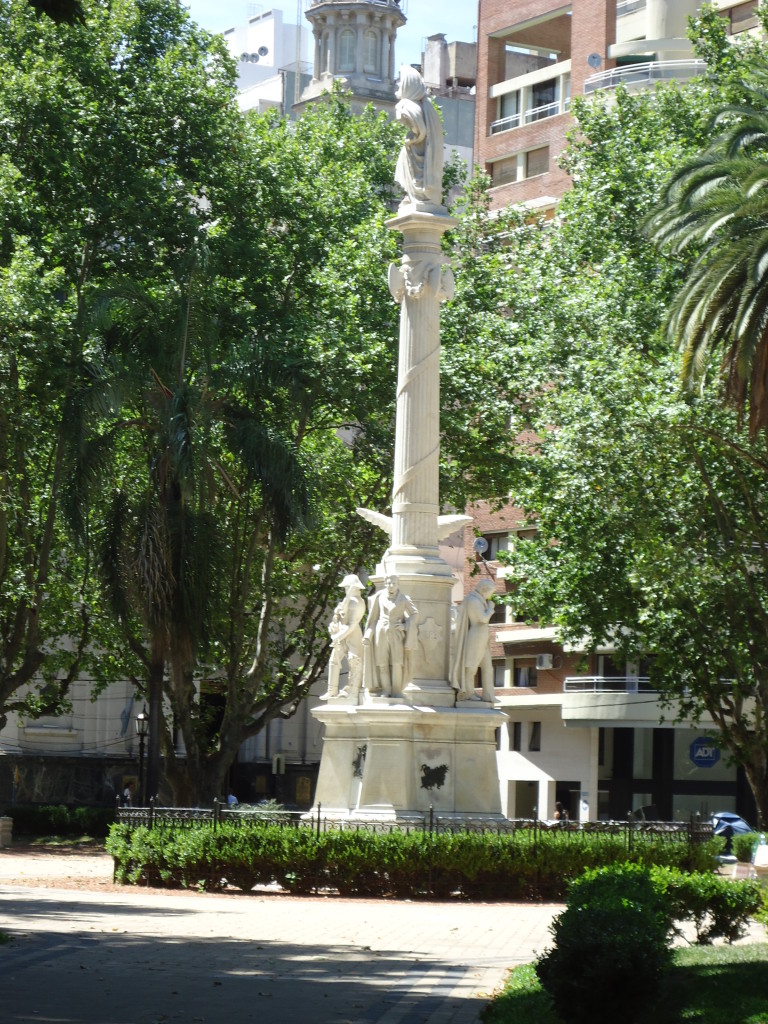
(707, 985)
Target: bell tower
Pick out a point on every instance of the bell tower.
(354, 41)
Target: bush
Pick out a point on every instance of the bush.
(248, 850)
(718, 907)
(610, 949)
(743, 846)
(60, 820)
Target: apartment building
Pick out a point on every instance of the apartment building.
(534, 56)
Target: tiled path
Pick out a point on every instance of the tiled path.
(127, 956)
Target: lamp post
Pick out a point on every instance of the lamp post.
(142, 728)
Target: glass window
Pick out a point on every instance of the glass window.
(499, 674)
(534, 736)
(642, 755)
(516, 735)
(347, 41)
(544, 93)
(499, 613)
(524, 675)
(496, 542)
(371, 52)
(697, 758)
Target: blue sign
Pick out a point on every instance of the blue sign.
(704, 752)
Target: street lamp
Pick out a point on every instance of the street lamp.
(142, 728)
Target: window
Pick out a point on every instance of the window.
(504, 171)
(743, 17)
(347, 41)
(500, 674)
(516, 735)
(371, 52)
(499, 614)
(536, 161)
(544, 101)
(524, 675)
(496, 542)
(534, 736)
(610, 669)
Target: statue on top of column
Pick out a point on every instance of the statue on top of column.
(419, 170)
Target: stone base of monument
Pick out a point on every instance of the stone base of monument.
(391, 761)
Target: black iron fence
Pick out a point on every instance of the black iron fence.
(153, 816)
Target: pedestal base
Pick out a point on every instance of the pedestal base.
(401, 762)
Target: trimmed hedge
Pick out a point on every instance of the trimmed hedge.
(60, 820)
(507, 866)
(613, 941)
(611, 947)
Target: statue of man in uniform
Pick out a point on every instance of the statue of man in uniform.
(389, 634)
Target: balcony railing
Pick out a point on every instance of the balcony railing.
(608, 684)
(505, 124)
(624, 7)
(645, 74)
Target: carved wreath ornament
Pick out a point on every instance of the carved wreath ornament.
(418, 278)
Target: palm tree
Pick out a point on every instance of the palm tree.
(715, 208)
(175, 446)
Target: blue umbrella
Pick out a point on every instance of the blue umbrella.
(728, 824)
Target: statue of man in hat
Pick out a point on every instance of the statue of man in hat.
(347, 639)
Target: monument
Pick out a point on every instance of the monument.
(417, 736)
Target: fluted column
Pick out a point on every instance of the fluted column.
(420, 283)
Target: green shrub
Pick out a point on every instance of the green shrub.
(719, 907)
(506, 866)
(743, 846)
(60, 820)
(610, 949)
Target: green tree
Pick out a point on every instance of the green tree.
(254, 409)
(648, 501)
(714, 207)
(107, 131)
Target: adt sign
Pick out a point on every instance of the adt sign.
(704, 753)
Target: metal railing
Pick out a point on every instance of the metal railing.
(505, 124)
(624, 7)
(190, 817)
(645, 74)
(608, 684)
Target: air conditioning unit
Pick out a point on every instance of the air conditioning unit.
(543, 661)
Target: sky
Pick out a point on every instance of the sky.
(456, 19)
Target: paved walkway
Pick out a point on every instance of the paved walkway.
(120, 955)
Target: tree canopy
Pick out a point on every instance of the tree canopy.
(649, 500)
(197, 299)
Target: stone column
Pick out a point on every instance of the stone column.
(420, 283)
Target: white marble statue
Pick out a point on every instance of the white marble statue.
(419, 170)
(347, 640)
(390, 634)
(472, 650)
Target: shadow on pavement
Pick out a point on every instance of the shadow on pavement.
(83, 978)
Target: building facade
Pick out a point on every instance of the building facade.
(534, 56)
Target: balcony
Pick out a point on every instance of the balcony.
(644, 75)
(625, 7)
(505, 124)
(608, 684)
